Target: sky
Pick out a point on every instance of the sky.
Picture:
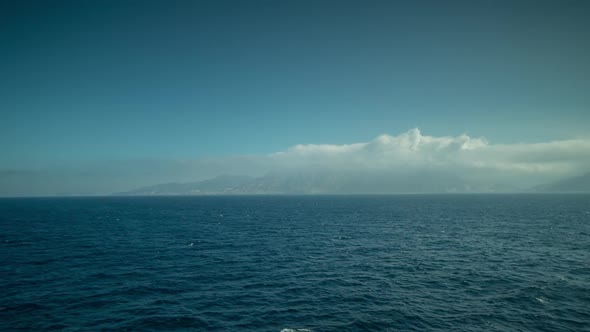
(98, 96)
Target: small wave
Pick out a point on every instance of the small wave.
(541, 300)
(22, 307)
(296, 330)
(166, 323)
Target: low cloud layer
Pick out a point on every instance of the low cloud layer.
(412, 149)
(474, 159)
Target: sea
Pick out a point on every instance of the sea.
(296, 263)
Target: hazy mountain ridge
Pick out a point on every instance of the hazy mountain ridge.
(218, 185)
(326, 182)
(574, 184)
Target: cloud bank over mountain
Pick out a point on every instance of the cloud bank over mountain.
(385, 159)
(414, 150)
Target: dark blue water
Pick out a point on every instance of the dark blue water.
(323, 263)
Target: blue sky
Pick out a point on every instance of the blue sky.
(92, 81)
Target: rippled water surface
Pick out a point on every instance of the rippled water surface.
(321, 263)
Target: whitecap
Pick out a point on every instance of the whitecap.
(541, 300)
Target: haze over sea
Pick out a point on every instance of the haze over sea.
(321, 263)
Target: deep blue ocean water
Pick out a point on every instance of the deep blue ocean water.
(322, 263)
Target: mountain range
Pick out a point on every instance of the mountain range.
(326, 182)
(570, 185)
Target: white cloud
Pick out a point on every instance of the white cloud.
(464, 153)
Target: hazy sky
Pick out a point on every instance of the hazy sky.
(97, 87)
